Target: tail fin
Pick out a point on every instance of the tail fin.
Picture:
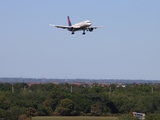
(69, 21)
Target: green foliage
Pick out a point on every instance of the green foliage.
(153, 117)
(74, 118)
(5, 87)
(31, 112)
(88, 100)
(65, 108)
(13, 113)
(4, 102)
(52, 101)
(23, 117)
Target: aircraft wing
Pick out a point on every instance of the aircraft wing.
(60, 26)
(65, 27)
(95, 27)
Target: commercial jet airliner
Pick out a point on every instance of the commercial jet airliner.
(84, 26)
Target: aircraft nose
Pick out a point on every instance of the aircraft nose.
(89, 23)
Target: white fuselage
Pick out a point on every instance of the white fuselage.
(82, 25)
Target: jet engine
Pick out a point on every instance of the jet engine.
(90, 29)
(71, 29)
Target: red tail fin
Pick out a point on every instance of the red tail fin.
(69, 21)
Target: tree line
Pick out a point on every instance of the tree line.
(20, 100)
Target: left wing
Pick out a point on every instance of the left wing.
(95, 27)
(91, 28)
(65, 27)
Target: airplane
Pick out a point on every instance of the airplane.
(84, 26)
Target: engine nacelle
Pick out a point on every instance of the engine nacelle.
(71, 29)
(90, 29)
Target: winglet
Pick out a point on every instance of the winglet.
(69, 21)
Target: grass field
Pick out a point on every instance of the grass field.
(75, 118)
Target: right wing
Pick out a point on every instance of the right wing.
(60, 26)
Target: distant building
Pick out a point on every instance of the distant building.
(121, 85)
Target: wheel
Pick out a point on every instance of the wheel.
(83, 32)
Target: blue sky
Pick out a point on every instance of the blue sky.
(128, 47)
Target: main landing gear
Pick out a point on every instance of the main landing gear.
(72, 32)
(83, 32)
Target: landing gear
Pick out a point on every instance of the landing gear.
(83, 32)
(72, 32)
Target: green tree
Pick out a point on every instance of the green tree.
(31, 112)
(23, 117)
(65, 108)
(4, 102)
(13, 113)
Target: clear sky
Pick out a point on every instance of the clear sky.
(128, 47)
